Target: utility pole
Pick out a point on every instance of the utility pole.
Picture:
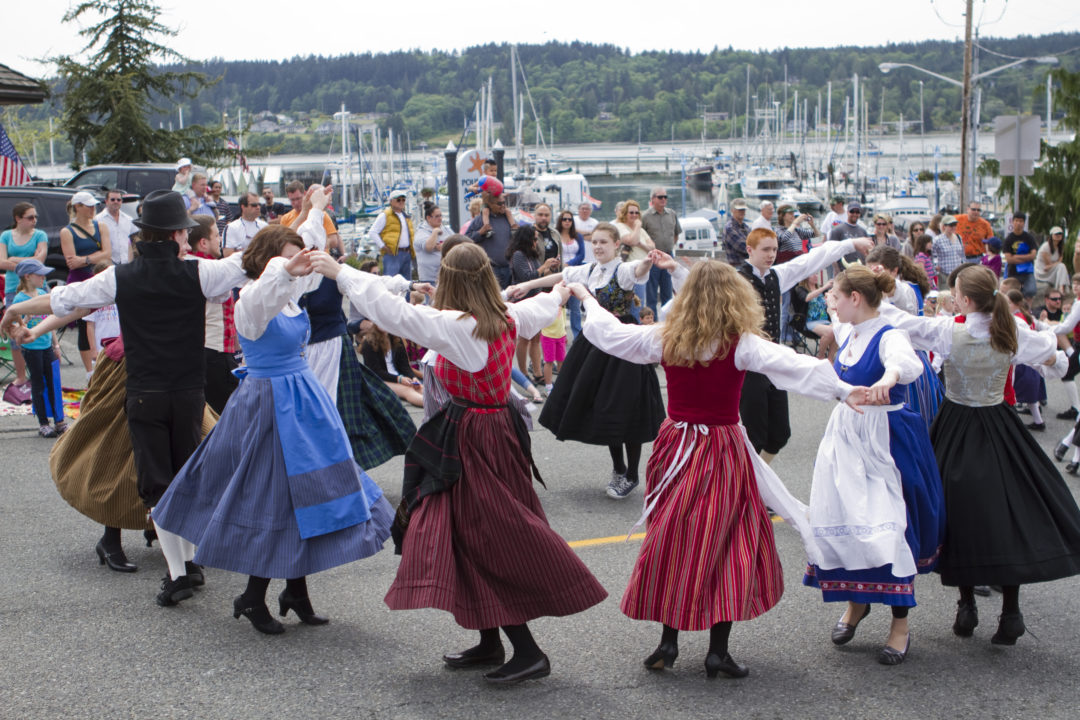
(965, 111)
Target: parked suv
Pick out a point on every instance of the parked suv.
(51, 204)
(139, 179)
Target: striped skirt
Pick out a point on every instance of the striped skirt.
(709, 554)
(92, 464)
(483, 551)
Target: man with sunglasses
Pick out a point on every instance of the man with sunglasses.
(663, 227)
(120, 226)
(974, 231)
(239, 232)
(849, 229)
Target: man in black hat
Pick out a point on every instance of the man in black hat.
(161, 301)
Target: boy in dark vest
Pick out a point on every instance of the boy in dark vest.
(161, 301)
(763, 408)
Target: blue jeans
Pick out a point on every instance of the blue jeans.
(44, 385)
(502, 274)
(519, 377)
(398, 264)
(659, 280)
(573, 308)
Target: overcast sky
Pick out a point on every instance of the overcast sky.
(270, 29)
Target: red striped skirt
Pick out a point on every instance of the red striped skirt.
(483, 550)
(709, 554)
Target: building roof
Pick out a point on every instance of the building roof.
(18, 89)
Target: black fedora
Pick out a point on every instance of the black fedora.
(164, 210)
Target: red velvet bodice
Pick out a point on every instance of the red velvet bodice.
(705, 394)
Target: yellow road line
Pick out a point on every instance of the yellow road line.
(621, 538)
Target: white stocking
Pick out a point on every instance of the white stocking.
(1036, 413)
(1067, 440)
(177, 550)
(1073, 395)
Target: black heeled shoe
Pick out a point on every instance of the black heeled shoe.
(967, 619)
(116, 560)
(302, 608)
(891, 656)
(259, 616)
(715, 664)
(540, 668)
(1010, 627)
(663, 657)
(150, 535)
(842, 632)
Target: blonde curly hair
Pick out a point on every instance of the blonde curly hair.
(714, 307)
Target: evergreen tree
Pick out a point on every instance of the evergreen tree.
(109, 96)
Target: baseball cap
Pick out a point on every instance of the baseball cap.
(183, 162)
(948, 220)
(854, 205)
(1056, 231)
(394, 194)
(84, 198)
(31, 266)
(738, 204)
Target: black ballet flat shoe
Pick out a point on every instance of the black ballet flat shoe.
(539, 669)
(663, 657)
(474, 657)
(259, 616)
(302, 607)
(1072, 467)
(116, 560)
(1069, 414)
(891, 656)
(173, 591)
(1010, 627)
(195, 574)
(843, 632)
(1059, 451)
(1037, 427)
(715, 664)
(150, 536)
(967, 619)
(981, 590)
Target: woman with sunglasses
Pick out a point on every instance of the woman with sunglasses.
(907, 246)
(573, 252)
(634, 242)
(20, 242)
(882, 236)
(85, 243)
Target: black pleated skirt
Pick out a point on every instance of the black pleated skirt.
(1010, 518)
(600, 399)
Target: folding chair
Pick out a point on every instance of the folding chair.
(801, 339)
(7, 363)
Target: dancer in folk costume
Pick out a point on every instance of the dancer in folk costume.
(274, 491)
(764, 407)
(709, 557)
(1010, 518)
(876, 505)
(477, 542)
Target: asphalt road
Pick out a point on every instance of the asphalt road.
(79, 641)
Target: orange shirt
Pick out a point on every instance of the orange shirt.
(328, 224)
(973, 232)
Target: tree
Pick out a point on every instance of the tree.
(1051, 196)
(109, 97)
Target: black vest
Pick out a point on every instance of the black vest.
(162, 319)
(768, 291)
(325, 312)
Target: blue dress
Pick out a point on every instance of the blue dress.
(273, 491)
(909, 445)
(925, 394)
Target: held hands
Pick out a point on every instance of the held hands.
(515, 292)
(323, 264)
(663, 261)
(864, 245)
(563, 292)
(878, 393)
(426, 288)
(858, 396)
(578, 290)
(300, 263)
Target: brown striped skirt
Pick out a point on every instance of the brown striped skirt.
(709, 554)
(92, 464)
(483, 550)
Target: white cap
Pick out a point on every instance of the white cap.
(84, 198)
(184, 162)
(397, 194)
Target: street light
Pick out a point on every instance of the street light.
(965, 162)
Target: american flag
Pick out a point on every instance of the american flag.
(231, 144)
(12, 170)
